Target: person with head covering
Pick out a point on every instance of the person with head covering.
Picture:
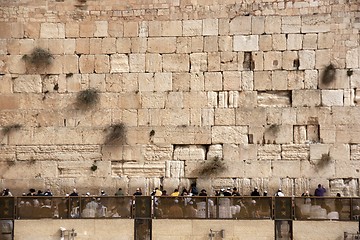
(279, 193)
(255, 192)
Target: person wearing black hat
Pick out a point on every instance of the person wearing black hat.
(255, 192)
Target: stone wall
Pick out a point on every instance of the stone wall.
(224, 93)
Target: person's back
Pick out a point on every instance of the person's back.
(320, 191)
(255, 192)
(119, 193)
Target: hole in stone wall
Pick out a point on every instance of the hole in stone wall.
(296, 63)
(248, 61)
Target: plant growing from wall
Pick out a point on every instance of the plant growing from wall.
(10, 128)
(324, 160)
(39, 57)
(212, 167)
(87, 98)
(116, 134)
(328, 74)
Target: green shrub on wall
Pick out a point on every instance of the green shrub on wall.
(39, 58)
(116, 134)
(87, 98)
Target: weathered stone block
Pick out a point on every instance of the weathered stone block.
(131, 29)
(101, 29)
(28, 83)
(176, 63)
(52, 30)
(241, 25)
(210, 27)
(213, 81)
(224, 134)
(198, 62)
(307, 59)
(246, 43)
(332, 97)
(162, 45)
(119, 63)
(192, 27)
(306, 98)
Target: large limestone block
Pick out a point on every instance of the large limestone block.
(274, 99)
(175, 117)
(332, 97)
(71, 64)
(316, 23)
(229, 134)
(315, 169)
(163, 82)
(72, 30)
(101, 29)
(312, 115)
(28, 84)
(137, 62)
(198, 62)
(52, 30)
(14, 64)
(306, 98)
(176, 63)
(119, 63)
(213, 81)
(174, 169)
(250, 116)
(326, 40)
(269, 152)
(323, 58)
(253, 169)
(266, 43)
(257, 24)
(229, 61)
(310, 41)
(291, 24)
(262, 80)
(161, 45)
(210, 27)
(211, 44)
(131, 29)
(139, 45)
(272, 60)
(279, 42)
(9, 101)
(190, 152)
(87, 63)
(153, 62)
(167, 29)
(123, 45)
(295, 152)
(307, 59)
(153, 100)
(311, 79)
(144, 169)
(197, 44)
(174, 100)
(82, 46)
(246, 43)
(241, 25)
(215, 151)
(273, 24)
(286, 168)
(192, 27)
(224, 116)
(352, 58)
(108, 45)
(294, 41)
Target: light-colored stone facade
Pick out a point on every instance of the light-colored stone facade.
(269, 87)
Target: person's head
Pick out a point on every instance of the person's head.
(255, 188)
(319, 185)
(279, 190)
(120, 189)
(234, 189)
(338, 195)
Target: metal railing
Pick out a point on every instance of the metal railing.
(194, 207)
